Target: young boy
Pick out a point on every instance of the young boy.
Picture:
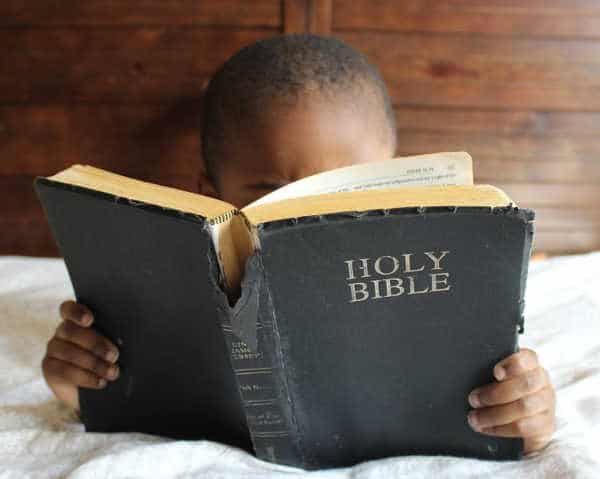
(277, 111)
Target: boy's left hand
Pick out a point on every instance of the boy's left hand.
(520, 404)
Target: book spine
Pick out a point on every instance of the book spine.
(529, 216)
(256, 361)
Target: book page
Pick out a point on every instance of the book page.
(437, 169)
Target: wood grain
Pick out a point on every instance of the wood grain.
(94, 13)
(486, 71)
(503, 123)
(295, 16)
(553, 18)
(320, 14)
(128, 139)
(138, 65)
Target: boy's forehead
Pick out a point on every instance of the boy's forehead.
(313, 135)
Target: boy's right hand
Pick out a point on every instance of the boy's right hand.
(78, 356)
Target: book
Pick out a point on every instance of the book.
(342, 318)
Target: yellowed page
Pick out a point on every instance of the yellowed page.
(426, 196)
(448, 168)
(101, 180)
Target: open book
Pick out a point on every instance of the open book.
(314, 323)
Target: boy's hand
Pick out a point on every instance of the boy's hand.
(520, 404)
(77, 356)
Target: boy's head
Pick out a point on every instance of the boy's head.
(289, 107)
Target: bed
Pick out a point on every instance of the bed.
(41, 438)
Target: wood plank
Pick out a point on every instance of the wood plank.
(572, 172)
(531, 195)
(137, 65)
(507, 96)
(496, 122)
(490, 72)
(71, 42)
(131, 140)
(79, 65)
(567, 242)
(320, 16)
(559, 220)
(555, 18)
(490, 146)
(27, 237)
(265, 13)
(476, 50)
(295, 18)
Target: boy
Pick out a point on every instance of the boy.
(277, 111)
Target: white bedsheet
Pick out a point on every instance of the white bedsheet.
(40, 438)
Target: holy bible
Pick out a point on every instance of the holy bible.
(342, 318)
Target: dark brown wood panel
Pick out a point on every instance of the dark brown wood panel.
(130, 140)
(295, 16)
(550, 194)
(554, 18)
(562, 220)
(124, 65)
(568, 172)
(320, 16)
(482, 146)
(485, 71)
(93, 13)
(564, 242)
(527, 123)
(27, 237)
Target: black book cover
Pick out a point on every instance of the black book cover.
(149, 275)
(374, 327)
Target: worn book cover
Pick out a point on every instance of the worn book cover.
(149, 275)
(342, 318)
(374, 327)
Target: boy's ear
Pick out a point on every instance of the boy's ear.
(206, 187)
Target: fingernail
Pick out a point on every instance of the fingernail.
(474, 399)
(472, 418)
(101, 382)
(500, 373)
(86, 319)
(113, 372)
(112, 355)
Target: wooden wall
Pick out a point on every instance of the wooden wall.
(118, 84)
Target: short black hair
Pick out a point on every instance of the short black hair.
(277, 68)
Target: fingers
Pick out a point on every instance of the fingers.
(87, 339)
(509, 390)
(520, 403)
(516, 364)
(83, 359)
(62, 372)
(538, 425)
(526, 406)
(78, 313)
